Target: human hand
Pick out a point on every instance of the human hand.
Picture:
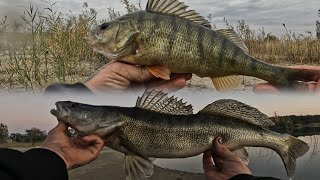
(121, 76)
(74, 151)
(226, 164)
(312, 87)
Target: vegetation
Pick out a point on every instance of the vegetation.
(50, 46)
(4, 133)
(31, 136)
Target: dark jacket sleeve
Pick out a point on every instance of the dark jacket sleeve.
(67, 89)
(32, 165)
(249, 177)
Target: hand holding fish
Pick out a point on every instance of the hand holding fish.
(312, 87)
(75, 152)
(121, 76)
(226, 164)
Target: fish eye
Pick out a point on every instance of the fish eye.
(104, 26)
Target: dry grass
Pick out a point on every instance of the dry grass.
(51, 47)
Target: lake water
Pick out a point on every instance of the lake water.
(21, 111)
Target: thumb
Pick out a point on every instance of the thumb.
(221, 151)
(61, 127)
(207, 161)
(136, 73)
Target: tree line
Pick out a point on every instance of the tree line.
(32, 135)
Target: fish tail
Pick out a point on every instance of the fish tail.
(293, 149)
(294, 75)
(283, 77)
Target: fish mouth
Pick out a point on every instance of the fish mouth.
(61, 110)
(92, 39)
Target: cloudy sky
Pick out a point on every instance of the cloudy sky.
(299, 15)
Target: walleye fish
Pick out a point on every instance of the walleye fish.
(165, 127)
(167, 38)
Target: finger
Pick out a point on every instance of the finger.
(95, 140)
(207, 162)
(158, 82)
(307, 67)
(221, 151)
(265, 88)
(171, 86)
(184, 76)
(132, 72)
(218, 162)
(79, 142)
(317, 88)
(312, 87)
(316, 77)
(61, 127)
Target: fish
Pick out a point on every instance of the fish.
(167, 38)
(160, 126)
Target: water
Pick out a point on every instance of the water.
(21, 111)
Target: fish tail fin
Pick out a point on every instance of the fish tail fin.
(295, 78)
(302, 75)
(293, 149)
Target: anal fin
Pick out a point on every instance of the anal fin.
(226, 83)
(137, 167)
(242, 154)
(160, 72)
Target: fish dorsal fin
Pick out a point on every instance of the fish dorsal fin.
(226, 83)
(239, 110)
(160, 102)
(176, 8)
(234, 37)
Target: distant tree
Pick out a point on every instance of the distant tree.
(17, 137)
(4, 133)
(34, 135)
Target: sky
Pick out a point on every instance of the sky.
(298, 15)
(24, 111)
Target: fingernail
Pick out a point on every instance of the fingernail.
(220, 140)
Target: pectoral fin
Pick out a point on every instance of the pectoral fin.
(243, 155)
(160, 72)
(137, 167)
(226, 83)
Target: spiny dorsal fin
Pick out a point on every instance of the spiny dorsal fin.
(160, 102)
(226, 83)
(176, 8)
(234, 37)
(236, 109)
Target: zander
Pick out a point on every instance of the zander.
(167, 38)
(163, 127)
